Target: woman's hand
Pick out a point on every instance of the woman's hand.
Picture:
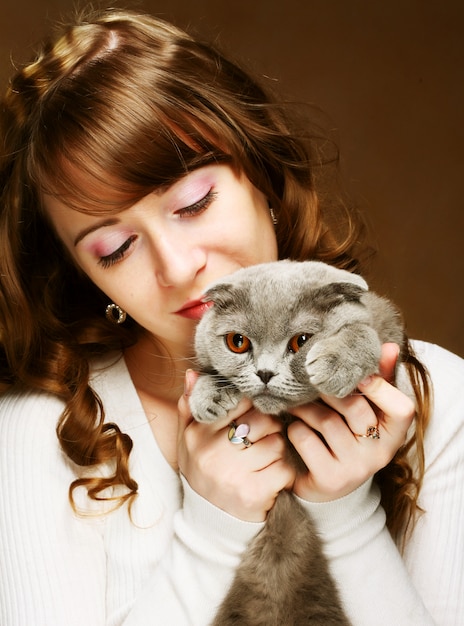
(242, 481)
(341, 464)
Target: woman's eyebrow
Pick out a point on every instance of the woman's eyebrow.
(90, 229)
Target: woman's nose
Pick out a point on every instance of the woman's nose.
(177, 261)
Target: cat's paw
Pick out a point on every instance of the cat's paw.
(334, 372)
(210, 402)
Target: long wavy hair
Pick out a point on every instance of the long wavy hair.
(129, 104)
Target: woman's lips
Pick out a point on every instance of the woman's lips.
(194, 310)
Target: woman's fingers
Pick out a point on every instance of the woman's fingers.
(183, 410)
(388, 409)
(388, 359)
(328, 477)
(334, 439)
(397, 409)
(244, 481)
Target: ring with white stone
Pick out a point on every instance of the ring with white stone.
(238, 433)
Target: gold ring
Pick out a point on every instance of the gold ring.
(372, 432)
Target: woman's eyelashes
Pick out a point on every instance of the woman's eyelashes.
(110, 259)
(198, 207)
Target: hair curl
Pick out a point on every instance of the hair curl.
(130, 103)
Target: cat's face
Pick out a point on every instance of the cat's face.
(265, 364)
(262, 325)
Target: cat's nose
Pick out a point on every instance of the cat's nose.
(265, 375)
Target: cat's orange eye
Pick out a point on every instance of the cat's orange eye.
(237, 343)
(297, 341)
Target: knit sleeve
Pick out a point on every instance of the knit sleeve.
(197, 569)
(434, 554)
(373, 581)
(168, 563)
(52, 566)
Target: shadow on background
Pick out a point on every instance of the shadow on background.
(390, 78)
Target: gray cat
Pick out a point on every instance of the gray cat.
(281, 334)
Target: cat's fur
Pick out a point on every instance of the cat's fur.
(283, 579)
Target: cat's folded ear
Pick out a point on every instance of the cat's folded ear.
(329, 296)
(222, 294)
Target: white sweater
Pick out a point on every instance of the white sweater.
(172, 564)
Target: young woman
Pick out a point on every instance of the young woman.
(137, 166)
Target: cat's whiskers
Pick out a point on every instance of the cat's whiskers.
(224, 382)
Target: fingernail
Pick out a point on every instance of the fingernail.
(188, 383)
(366, 381)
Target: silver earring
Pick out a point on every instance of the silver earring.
(115, 314)
(273, 216)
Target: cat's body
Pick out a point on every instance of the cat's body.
(281, 334)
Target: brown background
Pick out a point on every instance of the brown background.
(389, 74)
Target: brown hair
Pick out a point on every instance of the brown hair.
(133, 103)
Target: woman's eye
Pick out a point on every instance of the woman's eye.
(298, 341)
(117, 255)
(237, 343)
(198, 207)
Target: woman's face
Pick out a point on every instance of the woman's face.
(156, 258)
